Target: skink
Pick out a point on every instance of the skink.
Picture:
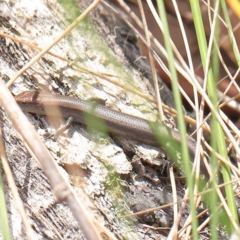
(116, 122)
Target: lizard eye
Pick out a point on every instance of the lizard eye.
(23, 104)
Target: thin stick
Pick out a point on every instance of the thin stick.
(62, 190)
(13, 187)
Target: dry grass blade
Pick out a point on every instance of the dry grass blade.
(151, 60)
(13, 188)
(62, 35)
(177, 217)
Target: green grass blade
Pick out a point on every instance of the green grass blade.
(181, 124)
(212, 92)
(4, 226)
